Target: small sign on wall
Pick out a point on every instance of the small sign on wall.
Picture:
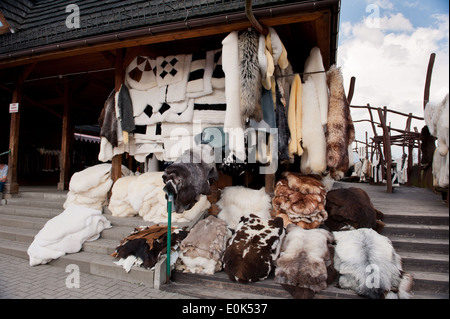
(13, 107)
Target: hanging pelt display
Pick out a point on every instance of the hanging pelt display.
(250, 76)
(340, 132)
(300, 199)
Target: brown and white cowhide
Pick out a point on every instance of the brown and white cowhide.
(305, 264)
(253, 249)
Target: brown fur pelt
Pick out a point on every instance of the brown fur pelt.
(253, 249)
(351, 208)
(300, 199)
(108, 120)
(250, 76)
(305, 265)
(340, 130)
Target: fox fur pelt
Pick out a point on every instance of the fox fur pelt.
(305, 265)
(350, 208)
(250, 76)
(368, 264)
(238, 201)
(253, 249)
(340, 130)
(300, 199)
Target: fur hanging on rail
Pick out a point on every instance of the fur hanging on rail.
(340, 130)
(250, 76)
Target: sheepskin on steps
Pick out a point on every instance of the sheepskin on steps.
(368, 264)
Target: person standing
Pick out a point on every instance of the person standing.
(3, 174)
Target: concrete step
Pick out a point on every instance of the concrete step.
(427, 217)
(36, 202)
(430, 283)
(416, 231)
(20, 210)
(23, 235)
(420, 245)
(95, 264)
(55, 195)
(23, 222)
(425, 262)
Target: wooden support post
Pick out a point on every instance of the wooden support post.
(11, 186)
(66, 141)
(386, 147)
(116, 170)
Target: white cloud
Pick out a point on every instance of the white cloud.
(390, 65)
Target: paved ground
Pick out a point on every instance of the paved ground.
(18, 280)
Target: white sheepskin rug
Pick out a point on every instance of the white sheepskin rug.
(143, 195)
(368, 264)
(66, 233)
(238, 201)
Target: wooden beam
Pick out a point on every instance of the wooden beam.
(387, 148)
(293, 17)
(66, 141)
(11, 186)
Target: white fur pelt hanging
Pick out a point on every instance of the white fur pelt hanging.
(313, 137)
(66, 233)
(233, 121)
(238, 201)
(305, 265)
(437, 119)
(340, 130)
(314, 63)
(368, 264)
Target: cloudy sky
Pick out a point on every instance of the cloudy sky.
(386, 45)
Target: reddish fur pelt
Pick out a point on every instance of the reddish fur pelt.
(351, 208)
(300, 199)
(340, 130)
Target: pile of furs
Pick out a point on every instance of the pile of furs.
(437, 119)
(300, 199)
(363, 260)
(90, 186)
(145, 246)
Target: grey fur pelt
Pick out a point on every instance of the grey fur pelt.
(340, 130)
(190, 176)
(305, 265)
(368, 264)
(250, 76)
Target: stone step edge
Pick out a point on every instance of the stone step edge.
(96, 264)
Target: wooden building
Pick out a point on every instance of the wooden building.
(59, 62)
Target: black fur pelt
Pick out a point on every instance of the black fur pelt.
(190, 176)
(108, 120)
(284, 134)
(351, 208)
(250, 76)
